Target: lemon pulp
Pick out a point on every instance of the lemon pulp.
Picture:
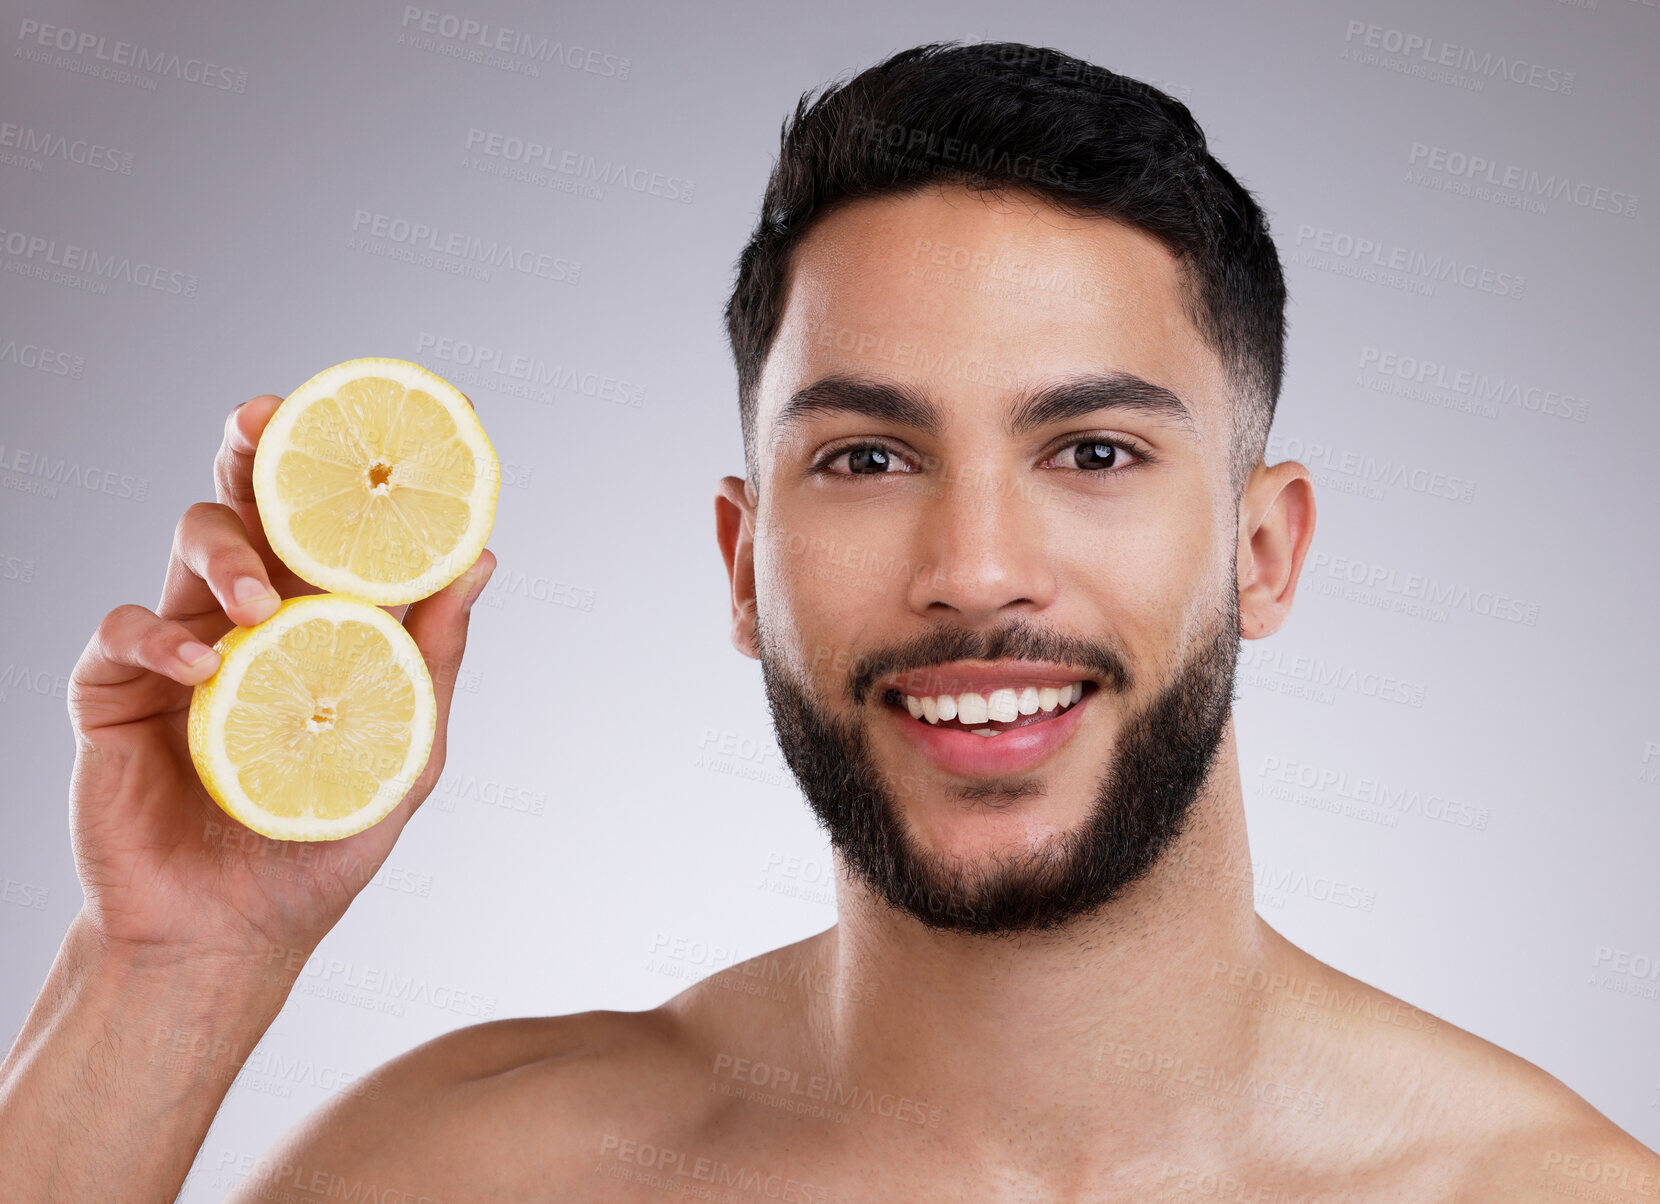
(375, 478)
(318, 720)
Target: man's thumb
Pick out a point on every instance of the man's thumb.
(465, 589)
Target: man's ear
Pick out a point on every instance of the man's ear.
(735, 530)
(1276, 526)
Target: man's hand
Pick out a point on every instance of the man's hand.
(194, 927)
(161, 864)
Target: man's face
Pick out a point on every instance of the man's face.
(962, 526)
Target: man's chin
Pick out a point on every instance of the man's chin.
(986, 864)
(981, 825)
(983, 886)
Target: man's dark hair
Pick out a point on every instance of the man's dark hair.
(1005, 116)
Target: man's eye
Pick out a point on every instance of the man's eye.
(868, 459)
(1084, 455)
(1096, 455)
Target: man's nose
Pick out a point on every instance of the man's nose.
(986, 534)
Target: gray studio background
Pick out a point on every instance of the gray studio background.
(1473, 648)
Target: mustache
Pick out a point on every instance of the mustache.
(1015, 640)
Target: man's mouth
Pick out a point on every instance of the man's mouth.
(979, 719)
(993, 712)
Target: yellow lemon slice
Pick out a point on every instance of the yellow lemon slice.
(375, 478)
(318, 720)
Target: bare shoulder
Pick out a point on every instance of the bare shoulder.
(1539, 1139)
(1575, 1153)
(512, 1109)
(1450, 1115)
(1531, 1136)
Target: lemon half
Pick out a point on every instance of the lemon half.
(318, 720)
(375, 478)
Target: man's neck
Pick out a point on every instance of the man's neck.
(1113, 1025)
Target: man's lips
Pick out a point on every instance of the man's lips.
(1022, 744)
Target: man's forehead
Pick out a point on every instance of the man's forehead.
(966, 293)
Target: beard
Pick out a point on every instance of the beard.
(1143, 798)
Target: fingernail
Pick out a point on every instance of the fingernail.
(252, 591)
(191, 654)
(247, 589)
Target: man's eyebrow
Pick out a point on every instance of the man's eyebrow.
(888, 401)
(1084, 395)
(892, 401)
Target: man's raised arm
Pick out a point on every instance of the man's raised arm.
(194, 928)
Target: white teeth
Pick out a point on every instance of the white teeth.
(986, 731)
(1003, 705)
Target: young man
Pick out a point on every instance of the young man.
(1008, 341)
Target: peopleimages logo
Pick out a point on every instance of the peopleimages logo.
(918, 144)
(529, 153)
(1396, 799)
(1370, 471)
(1425, 52)
(29, 471)
(522, 375)
(1337, 250)
(1370, 576)
(29, 141)
(1527, 182)
(72, 257)
(1415, 372)
(418, 238)
(41, 358)
(1317, 672)
(123, 54)
(483, 36)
